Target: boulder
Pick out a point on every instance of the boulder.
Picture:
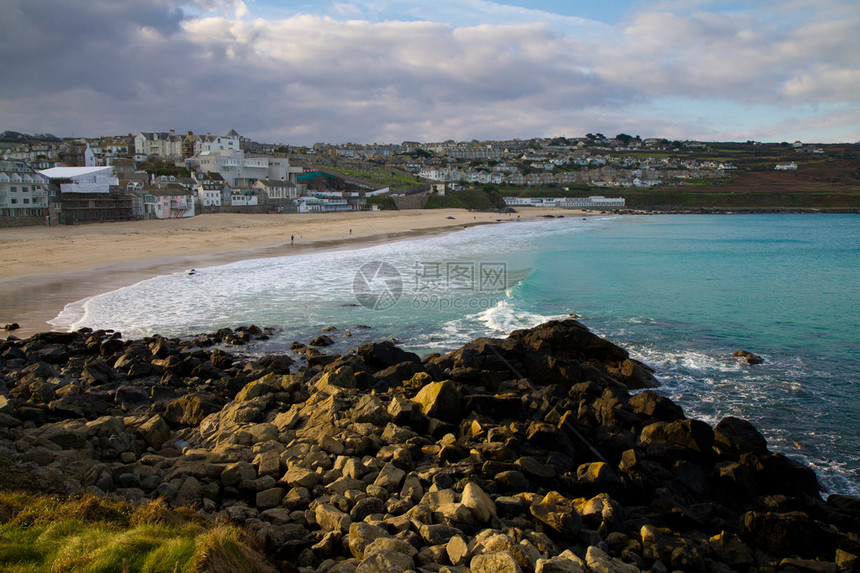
(361, 535)
(498, 562)
(191, 409)
(692, 435)
(440, 400)
(653, 405)
(154, 431)
(558, 513)
(330, 518)
(733, 436)
(322, 340)
(599, 562)
(748, 357)
(370, 409)
(334, 383)
(381, 355)
(266, 385)
(386, 562)
(478, 502)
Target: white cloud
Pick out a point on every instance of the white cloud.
(356, 75)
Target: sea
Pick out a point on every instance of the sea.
(680, 292)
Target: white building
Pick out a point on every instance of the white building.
(23, 192)
(82, 179)
(158, 144)
(239, 169)
(786, 166)
(593, 202)
(243, 198)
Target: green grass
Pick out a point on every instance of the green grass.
(474, 199)
(382, 176)
(93, 534)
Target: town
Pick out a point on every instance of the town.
(157, 175)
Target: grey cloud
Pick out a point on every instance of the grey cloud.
(109, 66)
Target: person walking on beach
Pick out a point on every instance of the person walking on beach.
(292, 238)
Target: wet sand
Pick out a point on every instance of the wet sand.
(43, 269)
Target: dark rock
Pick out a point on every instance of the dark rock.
(793, 533)
(321, 340)
(558, 513)
(748, 357)
(191, 409)
(381, 355)
(733, 436)
(653, 405)
(691, 435)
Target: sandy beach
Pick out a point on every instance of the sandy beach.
(43, 269)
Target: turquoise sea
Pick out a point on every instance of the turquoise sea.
(681, 292)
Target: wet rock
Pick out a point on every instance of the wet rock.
(748, 357)
(322, 340)
(691, 435)
(381, 355)
(652, 405)
(733, 436)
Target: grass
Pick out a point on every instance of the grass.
(474, 199)
(40, 533)
(382, 176)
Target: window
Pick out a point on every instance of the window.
(14, 201)
(26, 201)
(13, 189)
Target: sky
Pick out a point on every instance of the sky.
(383, 71)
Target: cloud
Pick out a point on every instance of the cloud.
(353, 74)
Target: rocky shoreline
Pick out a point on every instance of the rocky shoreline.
(528, 453)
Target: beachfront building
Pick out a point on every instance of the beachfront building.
(244, 197)
(277, 191)
(239, 169)
(23, 192)
(88, 195)
(173, 202)
(593, 202)
(330, 204)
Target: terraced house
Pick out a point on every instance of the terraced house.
(23, 191)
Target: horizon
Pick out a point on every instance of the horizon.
(393, 143)
(365, 71)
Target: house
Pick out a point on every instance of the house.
(217, 143)
(23, 191)
(158, 144)
(168, 202)
(211, 190)
(239, 169)
(277, 191)
(243, 197)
